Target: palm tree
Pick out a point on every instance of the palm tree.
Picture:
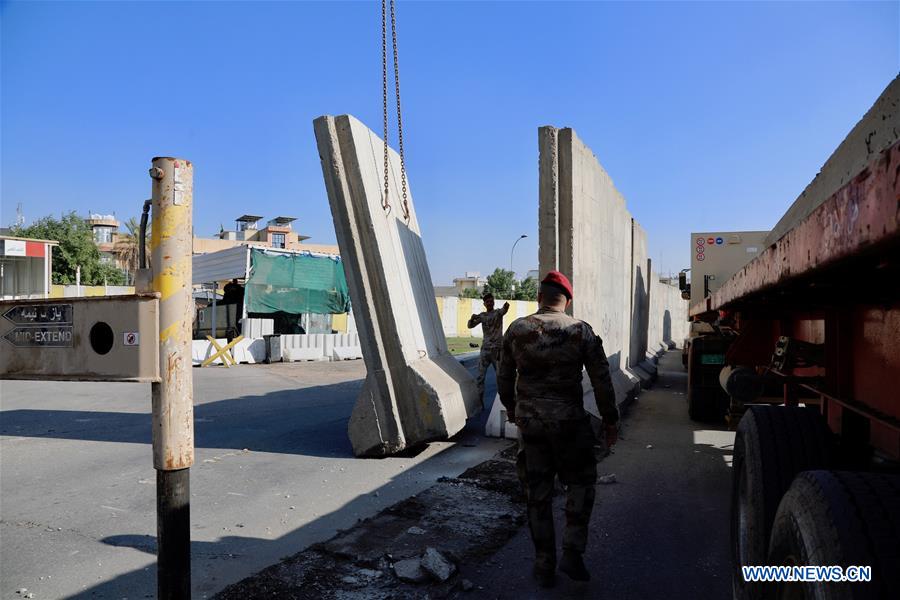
(127, 246)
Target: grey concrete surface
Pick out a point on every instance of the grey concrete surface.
(415, 390)
(587, 232)
(660, 531)
(274, 473)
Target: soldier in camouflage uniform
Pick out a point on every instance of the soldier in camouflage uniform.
(547, 351)
(491, 322)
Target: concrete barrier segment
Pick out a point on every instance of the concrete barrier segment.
(414, 391)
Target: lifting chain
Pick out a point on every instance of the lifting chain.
(384, 89)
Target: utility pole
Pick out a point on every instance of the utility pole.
(173, 405)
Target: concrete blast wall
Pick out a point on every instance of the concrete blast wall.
(415, 390)
(587, 233)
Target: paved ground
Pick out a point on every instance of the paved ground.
(274, 473)
(662, 530)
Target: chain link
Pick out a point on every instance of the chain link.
(385, 204)
(399, 117)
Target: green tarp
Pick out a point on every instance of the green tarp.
(296, 283)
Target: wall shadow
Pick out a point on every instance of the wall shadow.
(667, 326)
(640, 319)
(309, 421)
(227, 549)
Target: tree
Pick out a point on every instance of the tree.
(127, 248)
(76, 249)
(500, 283)
(472, 292)
(527, 289)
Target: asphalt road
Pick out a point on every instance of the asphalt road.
(274, 473)
(660, 531)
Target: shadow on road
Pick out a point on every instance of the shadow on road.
(254, 422)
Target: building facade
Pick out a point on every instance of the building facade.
(25, 267)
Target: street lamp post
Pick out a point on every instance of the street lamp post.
(521, 237)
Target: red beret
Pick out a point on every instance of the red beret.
(561, 281)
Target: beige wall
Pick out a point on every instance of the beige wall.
(207, 245)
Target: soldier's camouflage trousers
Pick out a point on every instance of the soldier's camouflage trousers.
(557, 448)
(488, 357)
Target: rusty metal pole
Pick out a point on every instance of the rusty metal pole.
(173, 397)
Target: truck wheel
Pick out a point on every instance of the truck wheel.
(839, 518)
(773, 444)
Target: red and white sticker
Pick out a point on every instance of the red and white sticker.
(711, 240)
(700, 257)
(700, 241)
(132, 338)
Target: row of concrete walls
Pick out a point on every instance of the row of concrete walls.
(667, 323)
(587, 232)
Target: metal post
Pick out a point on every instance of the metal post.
(213, 323)
(173, 411)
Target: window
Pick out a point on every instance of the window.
(103, 235)
(278, 240)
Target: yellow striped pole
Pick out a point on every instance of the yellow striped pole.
(173, 397)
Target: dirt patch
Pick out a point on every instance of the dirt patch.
(466, 519)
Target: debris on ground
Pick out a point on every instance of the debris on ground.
(649, 446)
(419, 547)
(410, 570)
(437, 565)
(607, 479)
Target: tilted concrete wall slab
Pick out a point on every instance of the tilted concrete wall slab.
(415, 390)
(587, 232)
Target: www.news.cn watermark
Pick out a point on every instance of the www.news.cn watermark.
(804, 574)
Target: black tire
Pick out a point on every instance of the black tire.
(773, 444)
(839, 518)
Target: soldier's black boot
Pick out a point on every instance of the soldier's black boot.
(544, 570)
(573, 565)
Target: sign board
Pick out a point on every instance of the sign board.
(50, 336)
(13, 247)
(81, 339)
(40, 314)
(717, 256)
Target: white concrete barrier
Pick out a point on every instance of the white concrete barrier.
(249, 351)
(203, 349)
(246, 351)
(320, 346)
(257, 328)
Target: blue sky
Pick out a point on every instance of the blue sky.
(708, 116)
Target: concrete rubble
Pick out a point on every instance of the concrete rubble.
(437, 565)
(415, 391)
(410, 570)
